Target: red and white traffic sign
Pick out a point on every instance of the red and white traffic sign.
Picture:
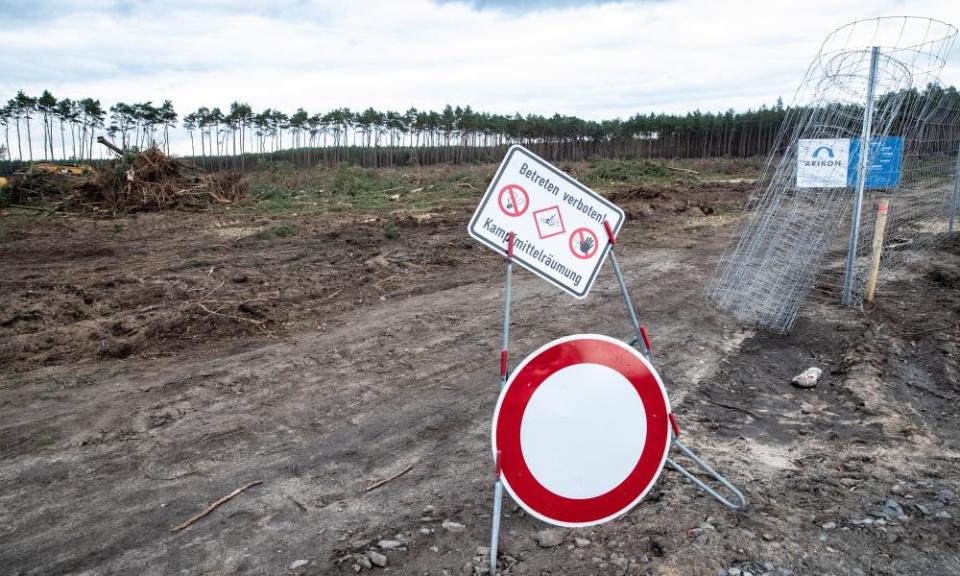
(581, 430)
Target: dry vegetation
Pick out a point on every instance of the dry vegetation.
(138, 182)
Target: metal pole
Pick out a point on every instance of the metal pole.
(861, 176)
(638, 337)
(953, 197)
(504, 346)
(627, 302)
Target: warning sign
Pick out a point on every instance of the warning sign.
(541, 205)
(549, 222)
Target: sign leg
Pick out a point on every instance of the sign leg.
(641, 339)
(495, 528)
(737, 502)
(504, 347)
(638, 335)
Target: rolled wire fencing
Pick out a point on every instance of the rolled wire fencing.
(766, 274)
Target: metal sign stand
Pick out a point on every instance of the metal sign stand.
(641, 341)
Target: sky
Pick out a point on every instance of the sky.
(593, 59)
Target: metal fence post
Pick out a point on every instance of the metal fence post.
(956, 191)
(862, 166)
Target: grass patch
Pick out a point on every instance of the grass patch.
(613, 171)
(276, 231)
(356, 182)
(277, 187)
(391, 231)
(45, 440)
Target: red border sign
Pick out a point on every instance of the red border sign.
(559, 217)
(511, 208)
(517, 477)
(580, 234)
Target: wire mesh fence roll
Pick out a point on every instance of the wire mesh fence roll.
(795, 228)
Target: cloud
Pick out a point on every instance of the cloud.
(517, 6)
(591, 59)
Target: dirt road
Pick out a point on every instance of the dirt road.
(152, 366)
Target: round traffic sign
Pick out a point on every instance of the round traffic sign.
(513, 200)
(581, 428)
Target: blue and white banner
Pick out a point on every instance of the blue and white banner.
(833, 162)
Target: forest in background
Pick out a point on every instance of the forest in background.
(236, 138)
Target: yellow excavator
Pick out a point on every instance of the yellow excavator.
(68, 169)
(51, 168)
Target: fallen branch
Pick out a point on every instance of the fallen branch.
(380, 483)
(929, 391)
(735, 407)
(23, 207)
(215, 505)
(113, 147)
(928, 331)
(215, 313)
(684, 170)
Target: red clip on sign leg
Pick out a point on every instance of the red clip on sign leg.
(673, 424)
(646, 339)
(510, 238)
(609, 229)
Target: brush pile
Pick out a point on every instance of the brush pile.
(137, 182)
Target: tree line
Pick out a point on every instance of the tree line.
(238, 135)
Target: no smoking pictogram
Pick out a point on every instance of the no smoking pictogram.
(583, 243)
(513, 200)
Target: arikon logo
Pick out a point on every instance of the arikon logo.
(826, 153)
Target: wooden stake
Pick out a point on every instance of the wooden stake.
(878, 231)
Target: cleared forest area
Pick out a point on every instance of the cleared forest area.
(339, 329)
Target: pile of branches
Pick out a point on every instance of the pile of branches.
(135, 182)
(151, 180)
(38, 185)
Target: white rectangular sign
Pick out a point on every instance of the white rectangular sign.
(822, 162)
(557, 221)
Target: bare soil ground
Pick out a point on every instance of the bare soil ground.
(152, 365)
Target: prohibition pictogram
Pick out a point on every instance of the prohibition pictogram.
(513, 200)
(582, 430)
(583, 243)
